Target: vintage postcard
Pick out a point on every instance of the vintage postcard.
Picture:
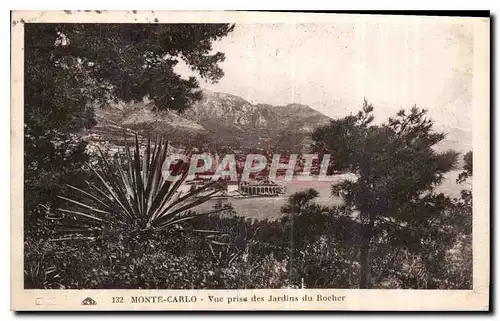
(249, 161)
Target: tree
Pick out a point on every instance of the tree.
(461, 259)
(297, 204)
(305, 222)
(397, 172)
(72, 68)
(466, 194)
(467, 168)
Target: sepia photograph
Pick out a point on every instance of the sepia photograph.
(250, 153)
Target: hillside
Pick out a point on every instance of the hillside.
(218, 120)
(225, 121)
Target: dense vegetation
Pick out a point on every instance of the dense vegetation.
(102, 242)
(96, 221)
(70, 69)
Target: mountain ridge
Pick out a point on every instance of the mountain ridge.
(219, 119)
(229, 121)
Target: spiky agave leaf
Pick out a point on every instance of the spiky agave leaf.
(139, 194)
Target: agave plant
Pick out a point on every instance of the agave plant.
(135, 194)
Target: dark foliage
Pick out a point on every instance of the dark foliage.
(72, 68)
(253, 254)
(393, 198)
(393, 230)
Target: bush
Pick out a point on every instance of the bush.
(247, 254)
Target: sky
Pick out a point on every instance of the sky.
(333, 67)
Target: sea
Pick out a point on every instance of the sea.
(270, 207)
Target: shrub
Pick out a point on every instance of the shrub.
(136, 197)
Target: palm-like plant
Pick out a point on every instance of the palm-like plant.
(136, 195)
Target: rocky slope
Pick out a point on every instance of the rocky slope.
(219, 120)
(222, 120)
